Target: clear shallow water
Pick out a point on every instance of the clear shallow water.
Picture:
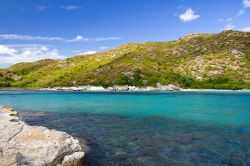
(150, 128)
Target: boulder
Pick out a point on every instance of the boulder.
(133, 88)
(148, 88)
(237, 53)
(96, 88)
(118, 88)
(170, 87)
(21, 144)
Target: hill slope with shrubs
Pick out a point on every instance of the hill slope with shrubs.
(216, 61)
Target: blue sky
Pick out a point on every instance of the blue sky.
(35, 29)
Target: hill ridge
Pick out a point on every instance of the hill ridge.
(219, 61)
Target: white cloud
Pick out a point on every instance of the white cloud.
(229, 19)
(229, 27)
(4, 50)
(107, 38)
(189, 15)
(104, 47)
(26, 45)
(71, 7)
(26, 54)
(78, 38)
(89, 52)
(241, 12)
(28, 37)
(246, 29)
(246, 3)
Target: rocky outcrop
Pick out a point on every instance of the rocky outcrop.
(158, 87)
(76, 88)
(238, 53)
(21, 144)
(118, 88)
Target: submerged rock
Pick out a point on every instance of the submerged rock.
(21, 144)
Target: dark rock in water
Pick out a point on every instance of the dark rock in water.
(22, 144)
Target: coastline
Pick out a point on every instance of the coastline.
(89, 88)
(215, 90)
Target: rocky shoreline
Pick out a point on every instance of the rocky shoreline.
(21, 144)
(121, 89)
(116, 88)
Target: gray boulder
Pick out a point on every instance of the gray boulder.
(21, 144)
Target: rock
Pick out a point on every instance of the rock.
(16, 77)
(120, 88)
(75, 88)
(21, 144)
(170, 87)
(133, 88)
(148, 88)
(95, 88)
(111, 88)
(73, 159)
(176, 52)
(237, 53)
(6, 109)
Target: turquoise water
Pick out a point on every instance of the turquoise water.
(146, 128)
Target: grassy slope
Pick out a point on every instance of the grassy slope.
(220, 61)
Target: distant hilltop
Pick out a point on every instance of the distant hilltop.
(204, 61)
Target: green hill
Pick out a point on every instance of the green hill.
(220, 61)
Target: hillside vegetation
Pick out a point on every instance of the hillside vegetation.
(220, 61)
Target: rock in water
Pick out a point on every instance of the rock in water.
(21, 144)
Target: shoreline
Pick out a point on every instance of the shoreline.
(121, 89)
(215, 90)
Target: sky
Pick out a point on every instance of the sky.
(31, 30)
